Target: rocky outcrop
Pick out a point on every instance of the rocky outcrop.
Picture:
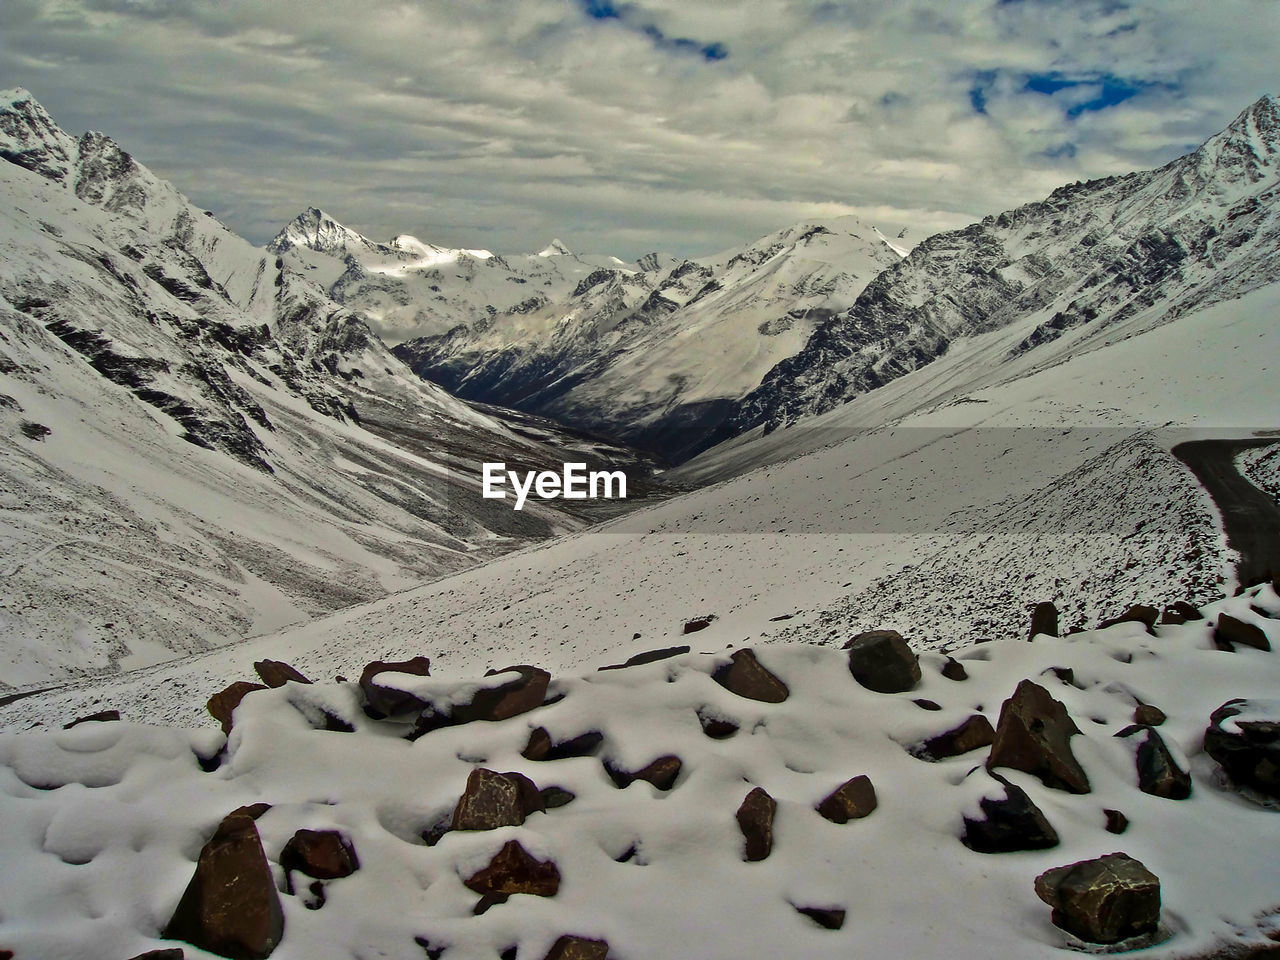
(747, 677)
(882, 661)
(1034, 735)
(1107, 900)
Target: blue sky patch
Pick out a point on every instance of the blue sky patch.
(633, 18)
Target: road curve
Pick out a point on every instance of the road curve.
(1250, 516)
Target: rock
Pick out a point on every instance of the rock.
(1231, 631)
(1117, 822)
(524, 692)
(489, 900)
(276, 673)
(320, 854)
(514, 870)
(975, 732)
(1066, 675)
(222, 705)
(829, 918)
(924, 704)
(578, 948)
(105, 716)
(755, 820)
(432, 950)
(1138, 613)
(1180, 612)
(231, 906)
(880, 660)
(553, 797)
(745, 676)
(1033, 735)
(382, 702)
(1044, 620)
(662, 773)
(542, 747)
(1009, 824)
(649, 656)
(699, 623)
(1148, 716)
(1158, 773)
(171, 953)
(716, 727)
(492, 800)
(1106, 900)
(954, 670)
(1248, 749)
(251, 810)
(852, 800)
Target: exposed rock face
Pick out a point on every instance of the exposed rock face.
(231, 907)
(1106, 900)
(578, 948)
(514, 870)
(320, 854)
(387, 702)
(493, 800)
(882, 661)
(542, 747)
(1229, 632)
(755, 820)
(829, 918)
(1158, 773)
(1044, 620)
(975, 732)
(746, 677)
(276, 673)
(852, 800)
(1033, 735)
(1248, 748)
(222, 705)
(1009, 824)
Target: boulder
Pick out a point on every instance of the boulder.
(715, 726)
(852, 800)
(382, 702)
(105, 716)
(1180, 612)
(514, 870)
(649, 656)
(320, 854)
(542, 747)
(222, 705)
(231, 906)
(1044, 620)
(975, 732)
(1116, 821)
(745, 676)
(1033, 735)
(492, 800)
(1138, 613)
(578, 948)
(276, 673)
(1230, 631)
(880, 660)
(1148, 715)
(1244, 737)
(1008, 824)
(524, 692)
(662, 773)
(1106, 900)
(755, 820)
(954, 670)
(1158, 773)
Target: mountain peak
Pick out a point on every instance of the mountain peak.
(30, 138)
(556, 248)
(316, 230)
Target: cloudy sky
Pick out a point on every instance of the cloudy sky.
(682, 125)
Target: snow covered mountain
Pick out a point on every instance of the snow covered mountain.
(196, 443)
(658, 356)
(1201, 229)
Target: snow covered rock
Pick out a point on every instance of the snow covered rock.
(1158, 772)
(882, 661)
(973, 733)
(1231, 631)
(386, 701)
(1244, 737)
(852, 800)
(276, 673)
(1106, 900)
(747, 677)
(514, 870)
(755, 820)
(1008, 824)
(222, 705)
(1034, 735)
(578, 948)
(321, 855)
(492, 800)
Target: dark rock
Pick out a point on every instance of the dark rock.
(975, 732)
(231, 906)
(649, 656)
(1180, 612)
(542, 747)
(1231, 631)
(106, 716)
(432, 950)
(553, 797)
(171, 953)
(489, 900)
(510, 953)
(320, 854)
(829, 918)
(1033, 735)
(745, 676)
(1106, 900)
(927, 704)
(514, 870)
(880, 660)
(755, 820)
(493, 800)
(1065, 674)
(954, 670)
(251, 810)
(1044, 620)
(852, 800)
(276, 673)
(1148, 716)
(716, 727)
(578, 948)
(699, 623)
(1009, 824)
(222, 705)
(1250, 752)
(1138, 613)
(662, 773)
(525, 692)
(384, 702)
(1117, 822)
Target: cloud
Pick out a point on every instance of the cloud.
(686, 125)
